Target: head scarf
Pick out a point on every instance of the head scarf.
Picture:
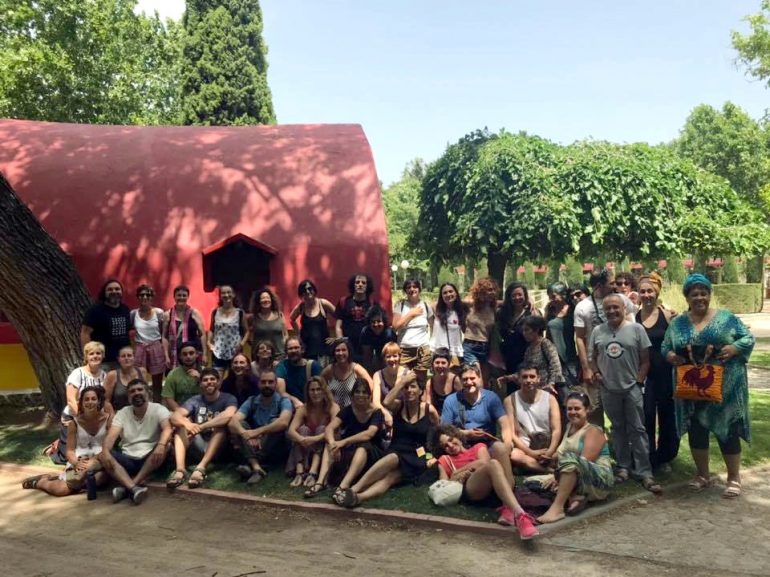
(654, 279)
(695, 279)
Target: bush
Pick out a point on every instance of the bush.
(739, 298)
(574, 272)
(755, 269)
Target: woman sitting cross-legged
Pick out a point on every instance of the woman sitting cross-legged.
(85, 436)
(536, 420)
(480, 476)
(582, 462)
(406, 460)
(359, 444)
(306, 432)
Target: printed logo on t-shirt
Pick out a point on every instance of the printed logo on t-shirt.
(614, 350)
(118, 326)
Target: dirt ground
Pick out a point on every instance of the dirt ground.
(680, 534)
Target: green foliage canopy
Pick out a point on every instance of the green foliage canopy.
(91, 61)
(224, 69)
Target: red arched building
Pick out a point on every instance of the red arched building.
(201, 206)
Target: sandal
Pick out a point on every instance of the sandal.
(176, 479)
(338, 495)
(196, 478)
(698, 483)
(310, 479)
(732, 491)
(652, 485)
(621, 476)
(298, 480)
(576, 506)
(31, 482)
(244, 471)
(256, 477)
(315, 490)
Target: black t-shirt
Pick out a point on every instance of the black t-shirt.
(370, 339)
(110, 327)
(352, 314)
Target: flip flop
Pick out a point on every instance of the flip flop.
(256, 477)
(196, 481)
(297, 481)
(622, 476)
(176, 479)
(310, 480)
(732, 491)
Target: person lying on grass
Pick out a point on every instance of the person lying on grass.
(201, 429)
(85, 437)
(480, 476)
(406, 460)
(306, 432)
(582, 462)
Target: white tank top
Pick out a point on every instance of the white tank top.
(89, 445)
(535, 417)
(147, 331)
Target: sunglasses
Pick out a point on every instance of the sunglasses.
(621, 283)
(145, 295)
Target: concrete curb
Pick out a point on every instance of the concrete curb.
(397, 517)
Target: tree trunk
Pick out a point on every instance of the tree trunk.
(42, 295)
(496, 262)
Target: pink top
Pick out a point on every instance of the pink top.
(451, 463)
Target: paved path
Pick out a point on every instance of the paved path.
(679, 535)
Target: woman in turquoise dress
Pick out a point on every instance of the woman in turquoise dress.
(719, 336)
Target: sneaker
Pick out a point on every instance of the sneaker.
(526, 527)
(138, 495)
(118, 494)
(506, 517)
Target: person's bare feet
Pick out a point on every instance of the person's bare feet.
(551, 516)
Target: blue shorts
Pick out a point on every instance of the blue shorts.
(130, 464)
(475, 352)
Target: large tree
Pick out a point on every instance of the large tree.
(754, 48)
(92, 61)
(401, 201)
(224, 68)
(42, 295)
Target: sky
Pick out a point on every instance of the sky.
(420, 74)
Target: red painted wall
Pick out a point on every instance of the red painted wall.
(142, 203)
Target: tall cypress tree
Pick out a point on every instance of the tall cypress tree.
(224, 72)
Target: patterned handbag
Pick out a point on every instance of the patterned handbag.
(699, 381)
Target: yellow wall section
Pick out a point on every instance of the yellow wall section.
(16, 372)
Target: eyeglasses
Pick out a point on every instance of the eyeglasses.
(145, 295)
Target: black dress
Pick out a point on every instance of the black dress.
(407, 438)
(352, 426)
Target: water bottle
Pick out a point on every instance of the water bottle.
(91, 485)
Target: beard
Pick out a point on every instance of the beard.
(266, 392)
(138, 401)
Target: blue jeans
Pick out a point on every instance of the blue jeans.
(475, 352)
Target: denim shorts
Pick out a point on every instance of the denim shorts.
(475, 352)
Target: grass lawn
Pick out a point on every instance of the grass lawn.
(760, 359)
(22, 442)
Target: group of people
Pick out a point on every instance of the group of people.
(354, 403)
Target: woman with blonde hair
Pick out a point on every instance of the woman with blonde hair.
(306, 432)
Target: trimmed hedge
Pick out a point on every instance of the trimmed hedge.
(739, 298)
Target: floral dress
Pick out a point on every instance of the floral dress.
(731, 416)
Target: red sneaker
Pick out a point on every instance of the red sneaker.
(526, 526)
(506, 517)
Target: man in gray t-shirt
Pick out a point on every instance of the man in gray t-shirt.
(619, 352)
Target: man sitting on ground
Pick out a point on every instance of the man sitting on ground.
(201, 426)
(145, 432)
(183, 381)
(296, 371)
(261, 424)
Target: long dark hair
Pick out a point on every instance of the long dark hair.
(459, 307)
(369, 284)
(505, 314)
(102, 296)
